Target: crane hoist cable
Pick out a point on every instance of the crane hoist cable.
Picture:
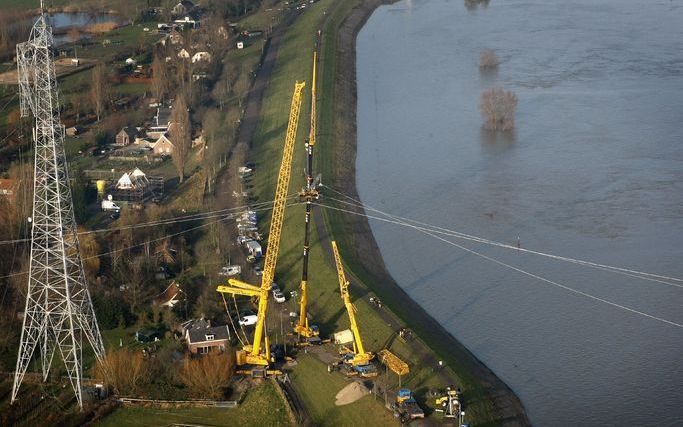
(308, 194)
(232, 322)
(258, 353)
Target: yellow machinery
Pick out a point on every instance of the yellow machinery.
(449, 404)
(361, 359)
(254, 354)
(308, 194)
(393, 362)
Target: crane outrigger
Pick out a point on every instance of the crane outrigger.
(254, 354)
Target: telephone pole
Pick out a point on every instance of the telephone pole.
(59, 311)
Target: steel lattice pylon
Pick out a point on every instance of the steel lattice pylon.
(59, 310)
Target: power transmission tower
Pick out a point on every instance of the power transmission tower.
(58, 310)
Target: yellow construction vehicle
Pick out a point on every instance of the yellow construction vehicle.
(309, 194)
(359, 361)
(255, 354)
(449, 404)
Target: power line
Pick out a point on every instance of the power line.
(168, 221)
(543, 279)
(452, 233)
(223, 218)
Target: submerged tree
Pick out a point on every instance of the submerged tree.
(497, 108)
(488, 60)
(476, 4)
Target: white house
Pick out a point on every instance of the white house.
(132, 181)
(163, 146)
(201, 56)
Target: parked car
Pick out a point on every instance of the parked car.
(230, 270)
(278, 296)
(258, 270)
(274, 287)
(248, 320)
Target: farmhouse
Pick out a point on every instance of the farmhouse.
(202, 338)
(126, 136)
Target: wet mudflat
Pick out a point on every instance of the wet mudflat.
(594, 170)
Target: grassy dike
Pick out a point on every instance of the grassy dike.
(488, 401)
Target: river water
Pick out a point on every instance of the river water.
(594, 170)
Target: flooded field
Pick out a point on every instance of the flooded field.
(593, 170)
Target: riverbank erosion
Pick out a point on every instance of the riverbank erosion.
(361, 249)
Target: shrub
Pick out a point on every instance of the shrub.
(488, 59)
(123, 371)
(497, 108)
(208, 376)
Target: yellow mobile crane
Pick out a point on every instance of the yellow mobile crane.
(308, 194)
(359, 359)
(253, 354)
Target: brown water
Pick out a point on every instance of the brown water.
(594, 171)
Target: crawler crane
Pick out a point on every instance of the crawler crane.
(359, 360)
(255, 354)
(308, 194)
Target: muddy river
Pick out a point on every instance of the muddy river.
(593, 170)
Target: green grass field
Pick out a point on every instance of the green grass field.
(262, 406)
(317, 389)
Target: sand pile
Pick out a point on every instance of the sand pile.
(351, 393)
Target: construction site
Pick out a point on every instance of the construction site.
(295, 316)
(279, 213)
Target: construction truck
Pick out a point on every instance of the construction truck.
(405, 407)
(449, 404)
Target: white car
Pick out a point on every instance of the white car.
(258, 270)
(278, 296)
(248, 320)
(230, 270)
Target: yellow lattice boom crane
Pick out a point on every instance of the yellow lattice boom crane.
(254, 354)
(308, 194)
(361, 360)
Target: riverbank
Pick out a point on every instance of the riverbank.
(360, 249)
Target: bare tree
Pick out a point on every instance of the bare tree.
(74, 34)
(160, 77)
(123, 371)
(242, 85)
(90, 250)
(488, 60)
(212, 144)
(181, 135)
(15, 25)
(221, 91)
(497, 107)
(207, 376)
(99, 89)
